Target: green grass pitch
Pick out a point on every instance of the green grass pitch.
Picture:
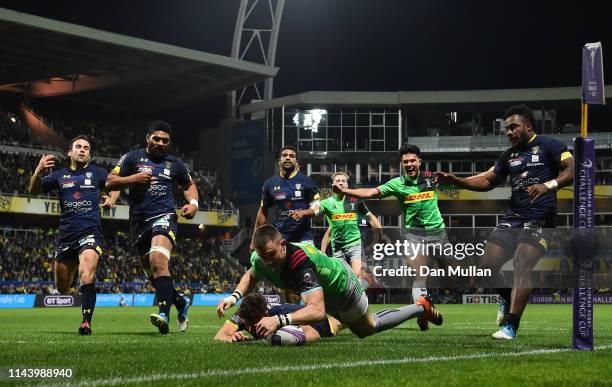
(126, 349)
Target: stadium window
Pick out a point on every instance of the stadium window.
(363, 119)
(319, 145)
(391, 138)
(392, 119)
(333, 138)
(363, 138)
(377, 133)
(461, 167)
(485, 220)
(348, 119)
(377, 145)
(461, 221)
(289, 120)
(305, 145)
(483, 165)
(377, 119)
(305, 134)
(333, 119)
(348, 139)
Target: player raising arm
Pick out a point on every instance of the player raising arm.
(537, 167)
(80, 240)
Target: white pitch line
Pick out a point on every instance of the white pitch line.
(315, 367)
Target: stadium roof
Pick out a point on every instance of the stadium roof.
(44, 57)
(399, 98)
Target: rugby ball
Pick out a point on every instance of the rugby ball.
(290, 335)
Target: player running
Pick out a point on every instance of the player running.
(80, 241)
(342, 215)
(288, 192)
(325, 286)
(537, 167)
(418, 200)
(254, 307)
(150, 174)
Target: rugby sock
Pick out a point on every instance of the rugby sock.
(389, 318)
(177, 299)
(163, 291)
(506, 294)
(88, 301)
(419, 288)
(514, 320)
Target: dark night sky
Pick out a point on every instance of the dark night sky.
(376, 44)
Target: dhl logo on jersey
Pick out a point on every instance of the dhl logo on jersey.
(419, 197)
(347, 216)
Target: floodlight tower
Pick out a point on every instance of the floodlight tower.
(255, 39)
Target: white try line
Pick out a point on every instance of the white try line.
(316, 367)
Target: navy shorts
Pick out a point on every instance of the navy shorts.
(514, 229)
(142, 231)
(69, 247)
(299, 237)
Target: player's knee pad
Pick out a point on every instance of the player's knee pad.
(160, 249)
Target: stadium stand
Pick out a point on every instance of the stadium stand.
(201, 264)
(26, 264)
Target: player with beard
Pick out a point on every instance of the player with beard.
(80, 241)
(288, 192)
(150, 174)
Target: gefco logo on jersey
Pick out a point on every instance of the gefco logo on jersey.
(346, 216)
(418, 197)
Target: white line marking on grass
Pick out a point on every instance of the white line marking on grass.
(315, 367)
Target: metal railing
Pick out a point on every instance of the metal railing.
(233, 244)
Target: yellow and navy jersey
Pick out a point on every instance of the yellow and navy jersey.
(79, 197)
(536, 162)
(150, 200)
(287, 196)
